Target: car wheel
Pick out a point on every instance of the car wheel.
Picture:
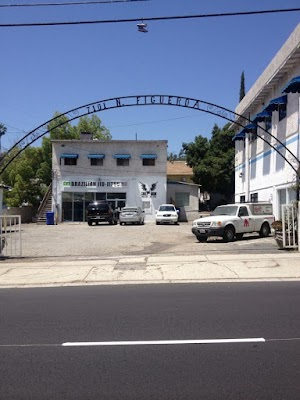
(90, 223)
(115, 222)
(110, 222)
(143, 222)
(228, 234)
(264, 230)
(157, 223)
(201, 238)
(239, 236)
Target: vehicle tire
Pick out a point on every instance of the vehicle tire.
(110, 222)
(201, 238)
(157, 223)
(264, 230)
(239, 236)
(90, 223)
(142, 223)
(229, 233)
(115, 222)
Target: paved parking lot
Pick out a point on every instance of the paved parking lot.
(76, 240)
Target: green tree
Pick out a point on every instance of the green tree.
(31, 172)
(3, 130)
(213, 161)
(242, 86)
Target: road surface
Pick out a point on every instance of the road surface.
(42, 355)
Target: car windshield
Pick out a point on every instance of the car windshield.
(98, 206)
(225, 210)
(166, 208)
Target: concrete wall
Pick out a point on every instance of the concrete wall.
(187, 213)
(27, 213)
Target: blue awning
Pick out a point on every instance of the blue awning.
(273, 105)
(293, 86)
(239, 136)
(66, 155)
(126, 156)
(262, 116)
(96, 155)
(149, 156)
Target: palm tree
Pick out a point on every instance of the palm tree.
(3, 130)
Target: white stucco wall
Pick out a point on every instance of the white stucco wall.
(269, 174)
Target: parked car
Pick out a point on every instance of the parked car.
(166, 213)
(132, 215)
(101, 211)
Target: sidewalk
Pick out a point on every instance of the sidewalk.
(165, 268)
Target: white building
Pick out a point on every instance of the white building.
(272, 103)
(123, 172)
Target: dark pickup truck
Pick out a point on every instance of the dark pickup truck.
(101, 212)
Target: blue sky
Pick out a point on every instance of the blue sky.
(49, 69)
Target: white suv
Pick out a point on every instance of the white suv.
(166, 213)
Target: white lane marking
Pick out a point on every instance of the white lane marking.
(164, 342)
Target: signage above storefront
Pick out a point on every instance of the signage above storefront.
(93, 184)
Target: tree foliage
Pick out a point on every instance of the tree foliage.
(31, 172)
(242, 86)
(213, 161)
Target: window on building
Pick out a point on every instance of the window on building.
(182, 199)
(70, 161)
(242, 199)
(122, 162)
(254, 197)
(282, 111)
(149, 161)
(268, 124)
(97, 162)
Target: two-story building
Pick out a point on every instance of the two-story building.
(123, 172)
(272, 107)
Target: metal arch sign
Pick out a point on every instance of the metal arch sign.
(133, 101)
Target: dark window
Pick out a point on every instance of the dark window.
(122, 162)
(97, 161)
(254, 198)
(282, 111)
(268, 124)
(242, 199)
(243, 212)
(149, 161)
(70, 161)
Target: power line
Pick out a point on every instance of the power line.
(110, 21)
(73, 3)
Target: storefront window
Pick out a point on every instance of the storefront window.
(67, 205)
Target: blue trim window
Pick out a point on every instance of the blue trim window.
(122, 159)
(69, 159)
(96, 159)
(149, 159)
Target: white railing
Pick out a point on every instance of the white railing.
(10, 236)
(289, 226)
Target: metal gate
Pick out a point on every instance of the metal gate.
(290, 226)
(10, 236)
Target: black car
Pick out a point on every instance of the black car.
(101, 212)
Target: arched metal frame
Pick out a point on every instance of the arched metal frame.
(141, 100)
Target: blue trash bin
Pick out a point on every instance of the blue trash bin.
(50, 218)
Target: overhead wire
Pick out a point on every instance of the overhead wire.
(71, 3)
(177, 17)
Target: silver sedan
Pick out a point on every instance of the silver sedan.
(132, 215)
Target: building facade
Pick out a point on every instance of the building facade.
(123, 172)
(272, 109)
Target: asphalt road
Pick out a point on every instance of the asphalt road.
(36, 322)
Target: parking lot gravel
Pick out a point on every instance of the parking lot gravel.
(77, 240)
